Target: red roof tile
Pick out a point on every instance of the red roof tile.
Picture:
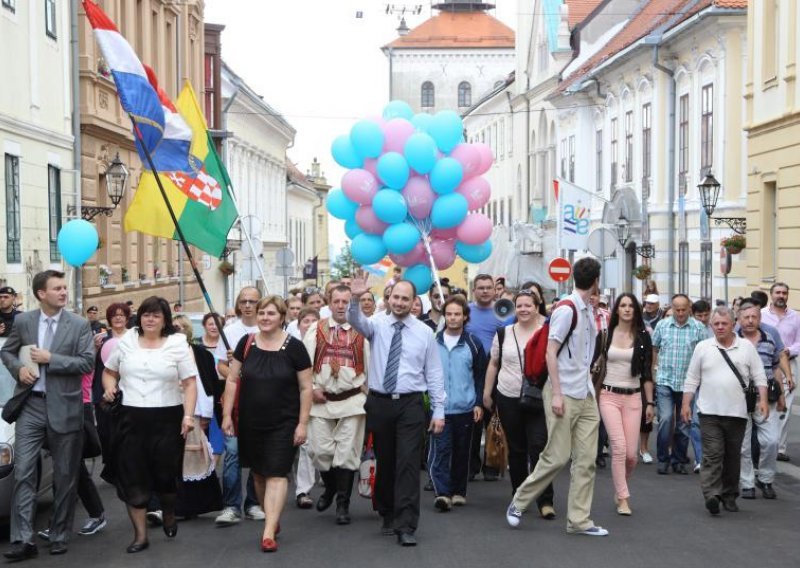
(579, 9)
(457, 30)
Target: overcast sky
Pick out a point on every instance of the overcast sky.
(317, 63)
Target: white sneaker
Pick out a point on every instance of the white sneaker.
(459, 500)
(592, 531)
(513, 516)
(228, 517)
(254, 513)
(697, 468)
(646, 457)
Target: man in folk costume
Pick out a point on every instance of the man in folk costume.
(336, 430)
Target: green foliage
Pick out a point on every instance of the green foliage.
(344, 264)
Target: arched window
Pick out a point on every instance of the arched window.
(427, 96)
(464, 94)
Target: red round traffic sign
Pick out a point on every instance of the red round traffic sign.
(559, 269)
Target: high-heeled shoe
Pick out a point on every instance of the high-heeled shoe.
(269, 545)
(171, 530)
(135, 547)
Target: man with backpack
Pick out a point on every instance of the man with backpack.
(570, 406)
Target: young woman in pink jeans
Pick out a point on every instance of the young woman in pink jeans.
(628, 371)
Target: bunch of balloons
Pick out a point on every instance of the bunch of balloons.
(77, 241)
(412, 190)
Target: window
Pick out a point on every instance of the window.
(502, 139)
(10, 5)
(13, 252)
(572, 158)
(50, 18)
(54, 208)
(771, 38)
(564, 158)
(769, 235)
(598, 160)
(613, 153)
(683, 143)
(210, 89)
(427, 96)
(707, 128)
(646, 140)
(628, 146)
(464, 94)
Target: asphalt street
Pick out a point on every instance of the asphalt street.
(669, 527)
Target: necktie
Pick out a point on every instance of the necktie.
(48, 341)
(393, 362)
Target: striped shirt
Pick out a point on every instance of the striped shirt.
(768, 351)
(675, 344)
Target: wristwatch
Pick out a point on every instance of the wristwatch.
(651, 403)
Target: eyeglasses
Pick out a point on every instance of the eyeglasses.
(248, 302)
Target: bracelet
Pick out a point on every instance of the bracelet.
(650, 403)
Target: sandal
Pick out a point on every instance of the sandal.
(304, 501)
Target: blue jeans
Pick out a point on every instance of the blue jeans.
(232, 478)
(694, 433)
(669, 404)
(448, 458)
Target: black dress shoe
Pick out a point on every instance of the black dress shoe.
(768, 491)
(729, 504)
(712, 504)
(406, 539)
(783, 457)
(135, 547)
(387, 526)
(58, 548)
(325, 501)
(600, 462)
(428, 486)
(21, 551)
(171, 530)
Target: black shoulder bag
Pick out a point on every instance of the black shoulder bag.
(749, 390)
(530, 395)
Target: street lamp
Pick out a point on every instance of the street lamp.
(709, 194)
(116, 182)
(623, 227)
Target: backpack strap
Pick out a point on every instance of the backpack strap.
(572, 326)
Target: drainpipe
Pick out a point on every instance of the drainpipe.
(76, 135)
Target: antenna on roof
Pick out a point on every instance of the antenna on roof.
(400, 10)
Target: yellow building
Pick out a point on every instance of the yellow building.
(773, 152)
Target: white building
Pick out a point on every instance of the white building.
(303, 202)
(255, 155)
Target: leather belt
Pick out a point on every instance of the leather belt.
(39, 394)
(620, 390)
(344, 395)
(393, 395)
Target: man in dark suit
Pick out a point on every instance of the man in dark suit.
(53, 413)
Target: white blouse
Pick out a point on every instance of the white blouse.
(152, 377)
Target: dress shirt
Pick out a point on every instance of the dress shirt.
(420, 365)
(788, 326)
(41, 384)
(234, 332)
(675, 344)
(575, 359)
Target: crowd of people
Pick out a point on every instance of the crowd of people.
(293, 389)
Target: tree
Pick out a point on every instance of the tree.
(345, 264)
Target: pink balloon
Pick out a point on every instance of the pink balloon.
(419, 197)
(359, 186)
(396, 132)
(475, 229)
(469, 157)
(443, 253)
(371, 165)
(108, 347)
(487, 158)
(477, 191)
(367, 220)
(444, 234)
(416, 256)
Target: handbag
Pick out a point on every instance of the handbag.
(112, 407)
(598, 369)
(773, 391)
(91, 439)
(14, 405)
(749, 390)
(496, 447)
(530, 395)
(366, 471)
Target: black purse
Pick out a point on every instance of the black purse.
(749, 390)
(14, 405)
(91, 439)
(112, 407)
(773, 391)
(530, 395)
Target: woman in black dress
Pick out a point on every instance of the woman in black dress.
(270, 384)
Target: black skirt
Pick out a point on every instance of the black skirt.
(269, 453)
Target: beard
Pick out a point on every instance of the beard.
(779, 303)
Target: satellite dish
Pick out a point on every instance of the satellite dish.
(503, 309)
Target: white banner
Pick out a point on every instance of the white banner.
(574, 221)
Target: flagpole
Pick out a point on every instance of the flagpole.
(189, 257)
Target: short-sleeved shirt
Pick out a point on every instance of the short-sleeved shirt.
(768, 352)
(234, 331)
(150, 378)
(575, 358)
(483, 324)
(675, 344)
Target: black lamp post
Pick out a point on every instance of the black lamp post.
(116, 183)
(709, 194)
(623, 228)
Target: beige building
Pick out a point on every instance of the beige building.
(773, 135)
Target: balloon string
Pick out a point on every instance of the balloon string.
(425, 228)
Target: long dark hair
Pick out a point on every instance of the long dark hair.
(638, 321)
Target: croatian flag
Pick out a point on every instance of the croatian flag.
(172, 153)
(135, 93)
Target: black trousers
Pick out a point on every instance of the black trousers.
(397, 427)
(722, 454)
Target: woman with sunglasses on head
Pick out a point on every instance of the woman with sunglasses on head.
(629, 359)
(526, 432)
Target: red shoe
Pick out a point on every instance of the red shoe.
(269, 545)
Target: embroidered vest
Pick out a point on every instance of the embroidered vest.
(355, 343)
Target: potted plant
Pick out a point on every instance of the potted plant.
(642, 272)
(735, 243)
(226, 268)
(103, 274)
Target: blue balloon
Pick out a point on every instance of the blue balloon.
(446, 175)
(343, 152)
(420, 275)
(422, 121)
(474, 253)
(77, 242)
(351, 229)
(448, 211)
(367, 139)
(420, 152)
(390, 206)
(446, 128)
(367, 249)
(393, 170)
(401, 238)
(340, 206)
(398, 109)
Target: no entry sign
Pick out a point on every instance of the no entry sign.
(559, 269)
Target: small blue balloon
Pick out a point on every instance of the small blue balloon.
(389, 206)
(401, 238)
(448, 211)
(446, 174)
(446, 128)
(420, 152)
(340, 206)
(343, 152)
(367, 139)
(422, 121)
(367, 249)
(351, 229)
(398, 109)
(474, 253)
(393, 170)
(77, 241)
(420, 275)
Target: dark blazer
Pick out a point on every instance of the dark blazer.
(72, 356)
(642, 360)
